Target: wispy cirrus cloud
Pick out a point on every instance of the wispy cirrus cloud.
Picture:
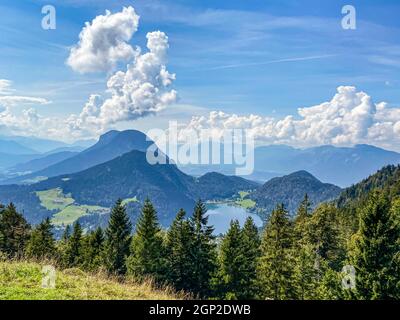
(9, 99)
(241, 65)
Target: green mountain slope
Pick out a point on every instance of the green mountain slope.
(290, 191)
(386, 178)
(129, 177)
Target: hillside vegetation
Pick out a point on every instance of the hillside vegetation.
(306, 256)
(23, 281)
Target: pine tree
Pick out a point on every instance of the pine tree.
(375, 250)
(66, 233)
(330, 286)
(307, 266)
(203, 251)
(73, 252)
(308, 271)
(178, 253)
(275, 270)
(251, 252)
(14, 232)
(92, 249)
(301, 224)
(117, 240)
(146, 257)
(41, 244)
(232, 261)
(324, 235)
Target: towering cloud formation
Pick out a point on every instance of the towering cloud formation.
(351, 117)
(103, 42)
(141, 90)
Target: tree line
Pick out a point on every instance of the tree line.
(291, 258)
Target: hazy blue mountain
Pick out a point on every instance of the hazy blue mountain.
(7, 160)
(38, 144)
(340, 166)
(41, 163)
(83, 143)
(76, 149)
(110, 145)
(13, 147)
(291, 189)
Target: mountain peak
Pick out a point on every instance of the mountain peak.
(290, 191)
(302, 174)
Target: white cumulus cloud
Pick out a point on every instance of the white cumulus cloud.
(141, 90)
(350, 117)
(104, 42)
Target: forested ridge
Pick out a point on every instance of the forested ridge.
(307, 256)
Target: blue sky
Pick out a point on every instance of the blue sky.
(263, 57)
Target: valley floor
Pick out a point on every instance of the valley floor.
(23, 281)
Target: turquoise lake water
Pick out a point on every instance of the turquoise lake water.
(221, 214)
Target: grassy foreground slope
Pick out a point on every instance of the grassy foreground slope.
(22, 281)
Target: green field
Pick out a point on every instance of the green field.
(129, 200)
(243, 194)
(68, 210)
(23, 281)
(244, 202)
(54, 199)
(73, 212)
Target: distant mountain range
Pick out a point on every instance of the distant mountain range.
(291, 189)
(44, 145)
(110, 145)
(12, 147)
(41, 163)
(342, 166)
(130, 176)
(16, 150)
(116, 167)
(338, 165)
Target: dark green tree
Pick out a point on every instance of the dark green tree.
(14, 232)
(203, 251)
(375, 250)
(276, 265)
(308, 264)
(251, 252)
(66, 233)
(118, 237)
(178, 253)
(93, 246)
(232, 263)
(301, 225)
(309, 269)
(73, 252)
(146, 257)
(41, 244)
(324, 235)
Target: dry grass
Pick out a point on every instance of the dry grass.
(22, 281)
